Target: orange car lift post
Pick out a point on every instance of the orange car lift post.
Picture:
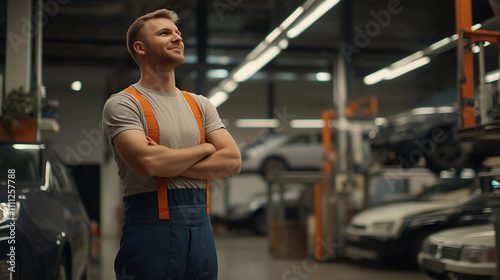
(363, 106)
(326, 138)
(467, 38)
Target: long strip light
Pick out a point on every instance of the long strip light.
(274, 123)
(408, 67)
(416, 60)
(271, 46)
(249, 69)
(219, 98)
(311, 18)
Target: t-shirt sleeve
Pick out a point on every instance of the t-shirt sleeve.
(121, 112)
(210, 115)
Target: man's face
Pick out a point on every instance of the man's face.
(163, 42)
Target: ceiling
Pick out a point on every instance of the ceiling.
(90, 33)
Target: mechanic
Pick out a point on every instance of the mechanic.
(165, 168)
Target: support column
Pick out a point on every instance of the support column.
(340, 180)
(202, 34)
(18, 45)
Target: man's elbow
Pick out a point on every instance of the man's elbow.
(143, 167)
(236, 165)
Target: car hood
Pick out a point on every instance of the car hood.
(398, 211)
(482, 235)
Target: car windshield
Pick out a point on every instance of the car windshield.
(22, 160)
(448, 190)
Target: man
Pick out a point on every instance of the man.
(179, 245)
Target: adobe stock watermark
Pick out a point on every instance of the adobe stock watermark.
(12, 210)
(363, 37)
(224, 6)
(85, 147)
(30, 26)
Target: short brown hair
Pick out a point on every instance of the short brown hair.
(134, 31)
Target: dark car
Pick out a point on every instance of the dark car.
(396, 231)
(427, 133)
(44, 227)
(251, 213)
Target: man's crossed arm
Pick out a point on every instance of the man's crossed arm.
(219, 157)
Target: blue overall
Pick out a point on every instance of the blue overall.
(180, 248)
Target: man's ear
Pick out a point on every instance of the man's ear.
(139, 47)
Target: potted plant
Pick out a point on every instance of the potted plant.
(19, 116)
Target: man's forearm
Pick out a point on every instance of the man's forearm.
(167, 162)
(220, 164)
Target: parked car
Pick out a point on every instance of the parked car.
(460, 253)
(44, 227)
(282, 152)
(252, 213)
(428, 133)
(397, 230)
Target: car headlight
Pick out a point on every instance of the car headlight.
(477, 254)
(4, 213)
(383, 227)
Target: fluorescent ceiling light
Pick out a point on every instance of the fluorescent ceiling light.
(292, 18)
(407, 60)
(230, 86)
(313, 123)
(377, 76)
(253, 66)
(439, 44)
(217, 73)
(28, 146)
(255, 52)
(273, 35)
(476, 26)
(492, 76)
(257, 123)
(323, 76)
(311, 18)
(76, 86)
(408, 67)
(218, 98)
(392, 71)
(283, 44)
(273, 123)
(219, 59)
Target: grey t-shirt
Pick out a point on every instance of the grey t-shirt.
(176, 124)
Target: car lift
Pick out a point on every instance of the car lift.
(469, 130)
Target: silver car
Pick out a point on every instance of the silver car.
(460, 253)
(282, 152)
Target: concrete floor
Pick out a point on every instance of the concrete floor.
(246, 257)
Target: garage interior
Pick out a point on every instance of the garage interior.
(320, 81)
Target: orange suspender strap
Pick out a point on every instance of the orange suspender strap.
(161, 182)
(199, 121)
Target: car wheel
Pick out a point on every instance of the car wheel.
(446, 155)
(273, 165)
(62, 269)
(260, 223)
